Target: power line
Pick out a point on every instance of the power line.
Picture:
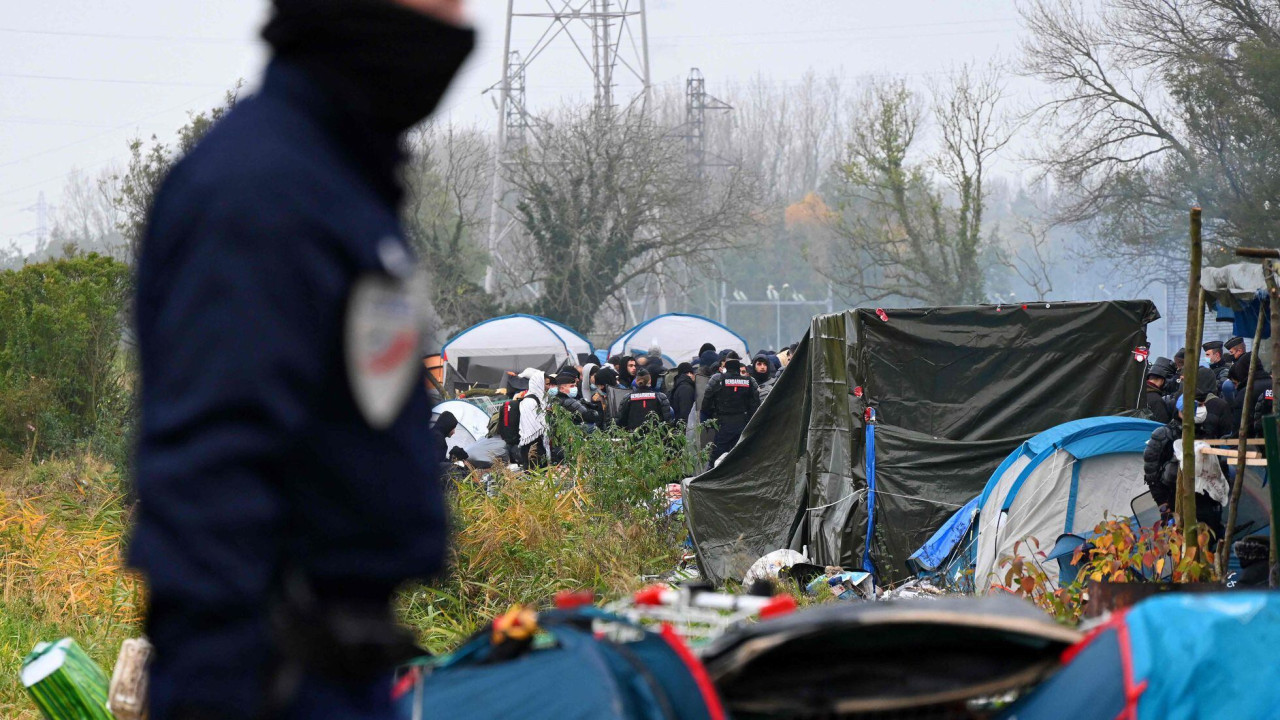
(50, 121)
(95, 136)
(119, 36)
(114, 81)
(849, 32)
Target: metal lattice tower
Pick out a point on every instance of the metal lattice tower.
(610, 36)
(515, 122)
(41, 209)
(697, 103)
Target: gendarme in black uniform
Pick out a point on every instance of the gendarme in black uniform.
(644, 403)
(285, 468)
(730, 400)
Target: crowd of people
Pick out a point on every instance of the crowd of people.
(711, 396)
(1220, 387)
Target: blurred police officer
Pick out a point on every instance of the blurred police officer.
(286, 477)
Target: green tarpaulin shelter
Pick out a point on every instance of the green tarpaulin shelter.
(886, 422)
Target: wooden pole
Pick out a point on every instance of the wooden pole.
(1186, 492)
(1224, 547)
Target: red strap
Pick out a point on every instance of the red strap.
(1132, 689)
(405, 683)
(715, 710)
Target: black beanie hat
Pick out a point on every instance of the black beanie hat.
(733, 367)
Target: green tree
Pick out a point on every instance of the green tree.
(134, 190)
(912, 221)
(61, 379)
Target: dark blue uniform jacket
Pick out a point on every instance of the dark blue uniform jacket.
(253, 456)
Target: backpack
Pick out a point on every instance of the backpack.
(567, 672)
(505, 423)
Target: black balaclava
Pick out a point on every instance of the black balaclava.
(388, 63)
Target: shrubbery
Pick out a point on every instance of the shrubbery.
(62, 372)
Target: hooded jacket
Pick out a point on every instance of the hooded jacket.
(533, 423)
(684, 399)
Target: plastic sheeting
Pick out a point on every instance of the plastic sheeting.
(956, 390)
(887, 659)
(1232, 283)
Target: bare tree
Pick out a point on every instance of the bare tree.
(913, 226)
(1030, 256)
(446, 182)
(1158, 106)
(86, 217)
(606, 201)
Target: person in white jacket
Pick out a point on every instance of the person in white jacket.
(535, 446)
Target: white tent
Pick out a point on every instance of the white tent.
(679, 336)
(1065, 480)
(484, 353)
(473, 423)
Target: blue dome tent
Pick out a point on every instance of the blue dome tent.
(1066, 479)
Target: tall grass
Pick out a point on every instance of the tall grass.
(61, 527)
(591, 523)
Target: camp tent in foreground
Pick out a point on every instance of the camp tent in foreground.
(483, 353)
(680, 336)
(888, 421)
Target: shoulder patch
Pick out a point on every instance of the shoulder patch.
(382, 345)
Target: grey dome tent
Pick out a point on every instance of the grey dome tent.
(484, 353)
(680, 336)
(887, 422)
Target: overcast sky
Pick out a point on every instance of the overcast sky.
(79, 78)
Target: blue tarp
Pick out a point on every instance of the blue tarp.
(1245, 319)
(938, 548)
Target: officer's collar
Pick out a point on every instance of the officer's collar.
(375, 152)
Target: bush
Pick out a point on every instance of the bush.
(61, 369)
(1115, 554)
(626, 470)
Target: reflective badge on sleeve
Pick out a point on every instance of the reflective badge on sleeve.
(383, 335)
